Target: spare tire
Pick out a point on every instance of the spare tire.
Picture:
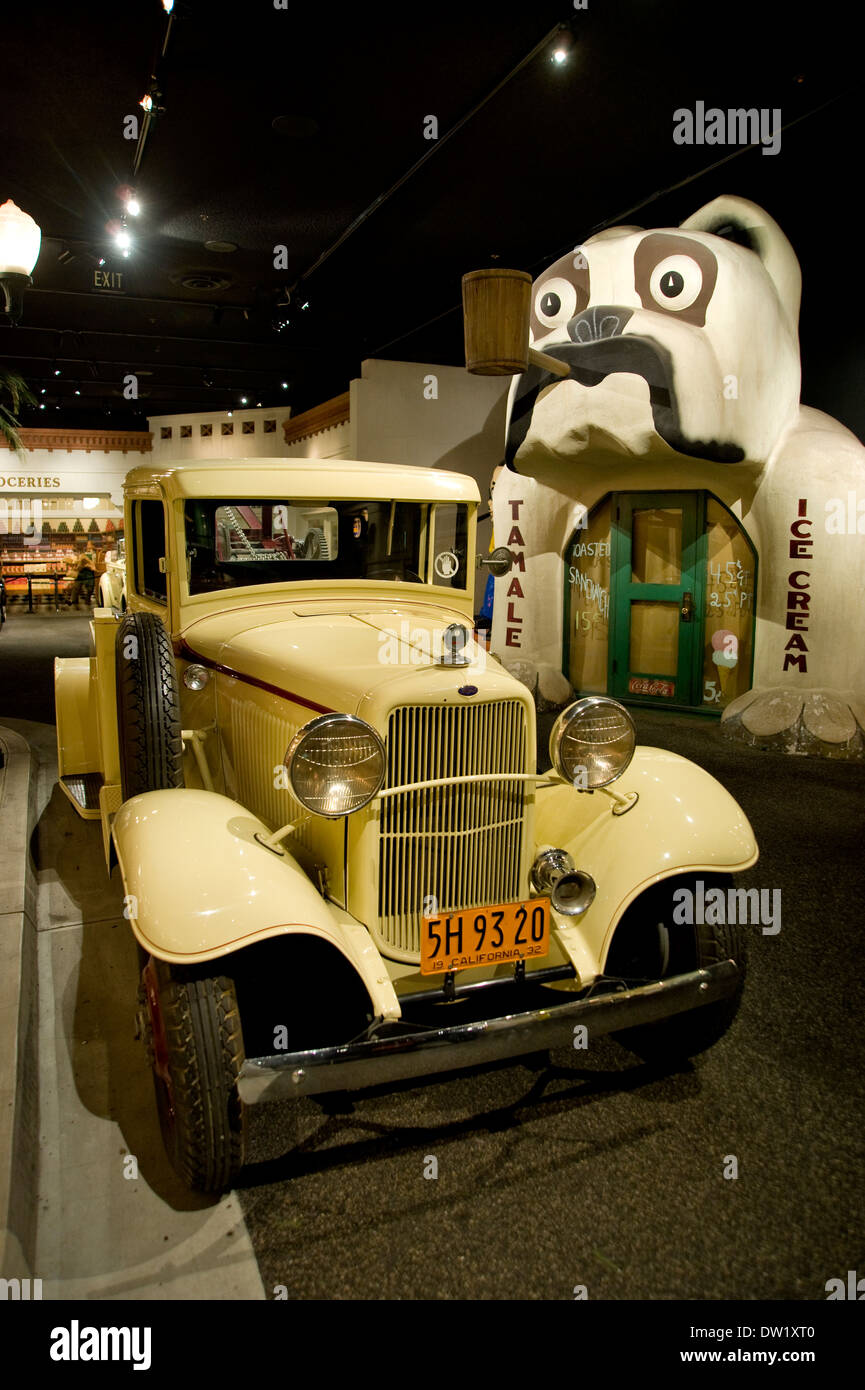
(148, 707)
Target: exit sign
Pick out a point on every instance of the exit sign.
(111, 280)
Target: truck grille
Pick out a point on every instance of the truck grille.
(459, 845)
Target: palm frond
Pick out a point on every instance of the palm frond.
(13, 385)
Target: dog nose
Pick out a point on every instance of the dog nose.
(597, 322)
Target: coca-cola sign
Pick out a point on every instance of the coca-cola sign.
(643, 685)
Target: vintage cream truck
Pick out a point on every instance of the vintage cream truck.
(339, 862)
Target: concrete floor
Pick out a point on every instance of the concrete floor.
(29, 643)
(553, 1172)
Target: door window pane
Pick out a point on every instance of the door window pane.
(588, 577)
(656, 547)
(654, 646)
(729, 625)
(450, 545)
(149, 537)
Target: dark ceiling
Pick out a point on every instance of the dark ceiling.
(553, 154)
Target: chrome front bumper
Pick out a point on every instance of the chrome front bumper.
(379, 1061)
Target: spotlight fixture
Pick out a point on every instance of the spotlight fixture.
(149, 103)
(168, 6)
(243, 400)
(20, 240)
(129, 198)
(562, 47)
(285, 386)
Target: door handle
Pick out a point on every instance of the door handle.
(687, 609)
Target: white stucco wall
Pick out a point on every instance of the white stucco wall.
(334, 442)
(216, 445)
(52, 473)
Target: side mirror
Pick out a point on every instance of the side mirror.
(499, 561)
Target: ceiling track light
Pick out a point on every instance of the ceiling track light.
(150, 105)
(168, 6)
(562, 45)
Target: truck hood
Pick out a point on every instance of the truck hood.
(325, 657)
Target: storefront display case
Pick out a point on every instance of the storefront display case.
(41, 570)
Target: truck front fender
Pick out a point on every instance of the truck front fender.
(199, 885)
(684, 821)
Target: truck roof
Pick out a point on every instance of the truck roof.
(311, 478)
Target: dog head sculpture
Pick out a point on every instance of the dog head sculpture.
(680, 342)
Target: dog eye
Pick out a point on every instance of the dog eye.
(555, 302)
(676, 282)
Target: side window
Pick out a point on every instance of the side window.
(450, 544)
(148, 532)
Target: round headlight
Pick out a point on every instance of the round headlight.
(335, 764)
(196, 677)
(592, 742)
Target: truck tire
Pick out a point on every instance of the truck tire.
(148, 707)
(195, 1043)
(682, 948)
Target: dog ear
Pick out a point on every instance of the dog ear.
(746, 224)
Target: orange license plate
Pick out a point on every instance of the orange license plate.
(484, 936)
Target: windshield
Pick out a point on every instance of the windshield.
(231, 543)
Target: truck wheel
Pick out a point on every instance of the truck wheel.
(195, 1044)
(647, 936)
(148, 707)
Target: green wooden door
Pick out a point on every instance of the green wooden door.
(657, 593)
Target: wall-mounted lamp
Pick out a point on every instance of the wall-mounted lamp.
(20, 240)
